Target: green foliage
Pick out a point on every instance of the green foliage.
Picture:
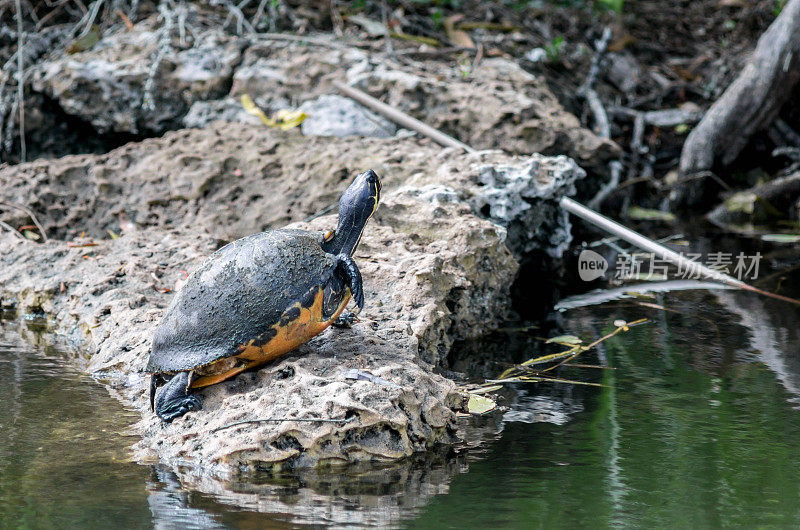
(437, 18)
(611, 5)
(778, 7)
(553, 49)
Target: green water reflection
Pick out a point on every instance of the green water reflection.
(63, 449)
(694, 430)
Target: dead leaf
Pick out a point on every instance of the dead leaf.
(457, 36)
(284, 119)
(621, 43)
(372, 27)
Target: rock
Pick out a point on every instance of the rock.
(434, 271)
(498, 105)
(203, 113)
(105, 85)
(518, 193)
(333, 115)
(513, 196)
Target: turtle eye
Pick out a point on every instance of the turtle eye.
(328, 236)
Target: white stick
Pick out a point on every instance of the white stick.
(401, 118)
(566, 203)
(635, 238)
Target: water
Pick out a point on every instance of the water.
(697, 425)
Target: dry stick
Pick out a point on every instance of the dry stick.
(401, 118)
(11, 229)
(20, 87)
(30, 214)
(566, 203)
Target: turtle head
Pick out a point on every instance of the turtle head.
(356, 206)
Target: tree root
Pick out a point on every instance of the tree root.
(752, 101)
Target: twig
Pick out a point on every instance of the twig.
(296, 38)
(594, 69)
(92, 15)
(401, 118)
(125, 19)
(148, 103)
(615, 167)
(601, 126)
(11, 229)
(20, 84)
(265, 420)
(30, 214)
(387, 37)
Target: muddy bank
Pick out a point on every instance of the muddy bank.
(434, 270)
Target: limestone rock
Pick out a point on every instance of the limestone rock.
(105, 86)
(433, 271)
(333, 115)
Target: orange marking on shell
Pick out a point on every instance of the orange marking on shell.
(305, 327)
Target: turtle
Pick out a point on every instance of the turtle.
(256, 299)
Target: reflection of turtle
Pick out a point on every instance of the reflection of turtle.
(256, 299)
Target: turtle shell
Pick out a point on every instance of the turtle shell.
(245, 293)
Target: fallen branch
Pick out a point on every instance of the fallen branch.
(20, 83)
(753, 99)
(565, 203)
(30, 214)
(401, 118)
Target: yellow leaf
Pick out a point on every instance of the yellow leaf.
(289, 118)
(112, 234)
(284, 119)
(480, 404)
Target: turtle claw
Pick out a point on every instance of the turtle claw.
(345, 320)
(179, 408)
(175, 400)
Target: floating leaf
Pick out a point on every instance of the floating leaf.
(566, 340)
(644, 214)
(284, 119)
(620, 323)
(781, 238)
(480, 404)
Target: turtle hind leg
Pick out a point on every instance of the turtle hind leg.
(175, 398)
(345, 320)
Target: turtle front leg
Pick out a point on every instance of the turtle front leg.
(175, 398)
(354, 281)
